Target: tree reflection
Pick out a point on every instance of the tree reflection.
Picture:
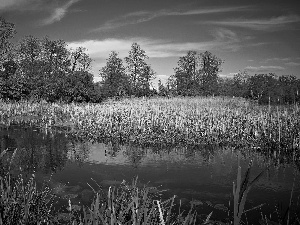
(36, 151)
(78, 151)
(113, 148)
(134, 154)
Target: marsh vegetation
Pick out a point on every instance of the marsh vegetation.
(187, 133)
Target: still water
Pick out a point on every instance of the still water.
(204, 175)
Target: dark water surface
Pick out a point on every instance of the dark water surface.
(203, 175)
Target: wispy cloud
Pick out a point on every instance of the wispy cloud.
(277, 60)
(11, 4)
(57, 9)
(144, 16)
(58, 13)
(223, 39)
(292, 63)
(229, 75)
(274, 23)
(99, 50)
(263, 69)
(23, 5)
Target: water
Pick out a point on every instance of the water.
(200, 174)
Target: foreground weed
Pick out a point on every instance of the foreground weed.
(22, 203)
(241, 190)
(129, 204)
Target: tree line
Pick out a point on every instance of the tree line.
(197, 74)
(35, 69)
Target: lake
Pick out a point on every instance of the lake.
(203, 175)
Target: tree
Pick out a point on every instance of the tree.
(80, 60)
(29, 56)
(140, 73)
(7, 32)
(114, 79)
(210, 67)
(147, 74)
(171, 85)
(79, 87)
(55, 56)
(187, 74)
(240, 84)
(289, 90)
(264, 88)
(42, 63)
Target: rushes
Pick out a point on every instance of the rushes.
(174, 121)
(130, 204)
(22, 203)
(241, 190)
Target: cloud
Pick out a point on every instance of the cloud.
(274, 23)
(11, 4)
(144, 16)
(99, 50)
(278, 59)
(229, 75)
(292, 63)
(58, 13)
(223, 39)
(261, 69)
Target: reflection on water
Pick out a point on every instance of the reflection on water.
(202, 174)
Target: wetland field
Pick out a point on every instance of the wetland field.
(150, 161)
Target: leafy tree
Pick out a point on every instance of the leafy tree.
(55, 56)
(144, 81)
(10, 67)
(79, 87)
(264, 88)
(289, 88)
(186, 73)
(197, 73)
(240, 84)
(140, 73)
(210, 67)
(80, 60)
(7, 32)
(29, 58)
(7, 64)
(42, 63)
(172, 85)
(225, 85)
(114, 79)
(162, 91)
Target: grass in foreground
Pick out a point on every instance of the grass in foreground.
(22, 203)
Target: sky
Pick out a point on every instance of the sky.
(254, 36)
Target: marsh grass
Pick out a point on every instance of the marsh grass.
(206, 121)
(192, 121)
(130, 203)
(240, 191)
(22, 202)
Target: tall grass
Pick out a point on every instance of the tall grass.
(222, 121)
(177, 121)
(22, 202)
(129, 204)
(241, 190)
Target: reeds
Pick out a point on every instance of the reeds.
(241, 190)
(22, 203)
(134, 205)
(221, 121)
